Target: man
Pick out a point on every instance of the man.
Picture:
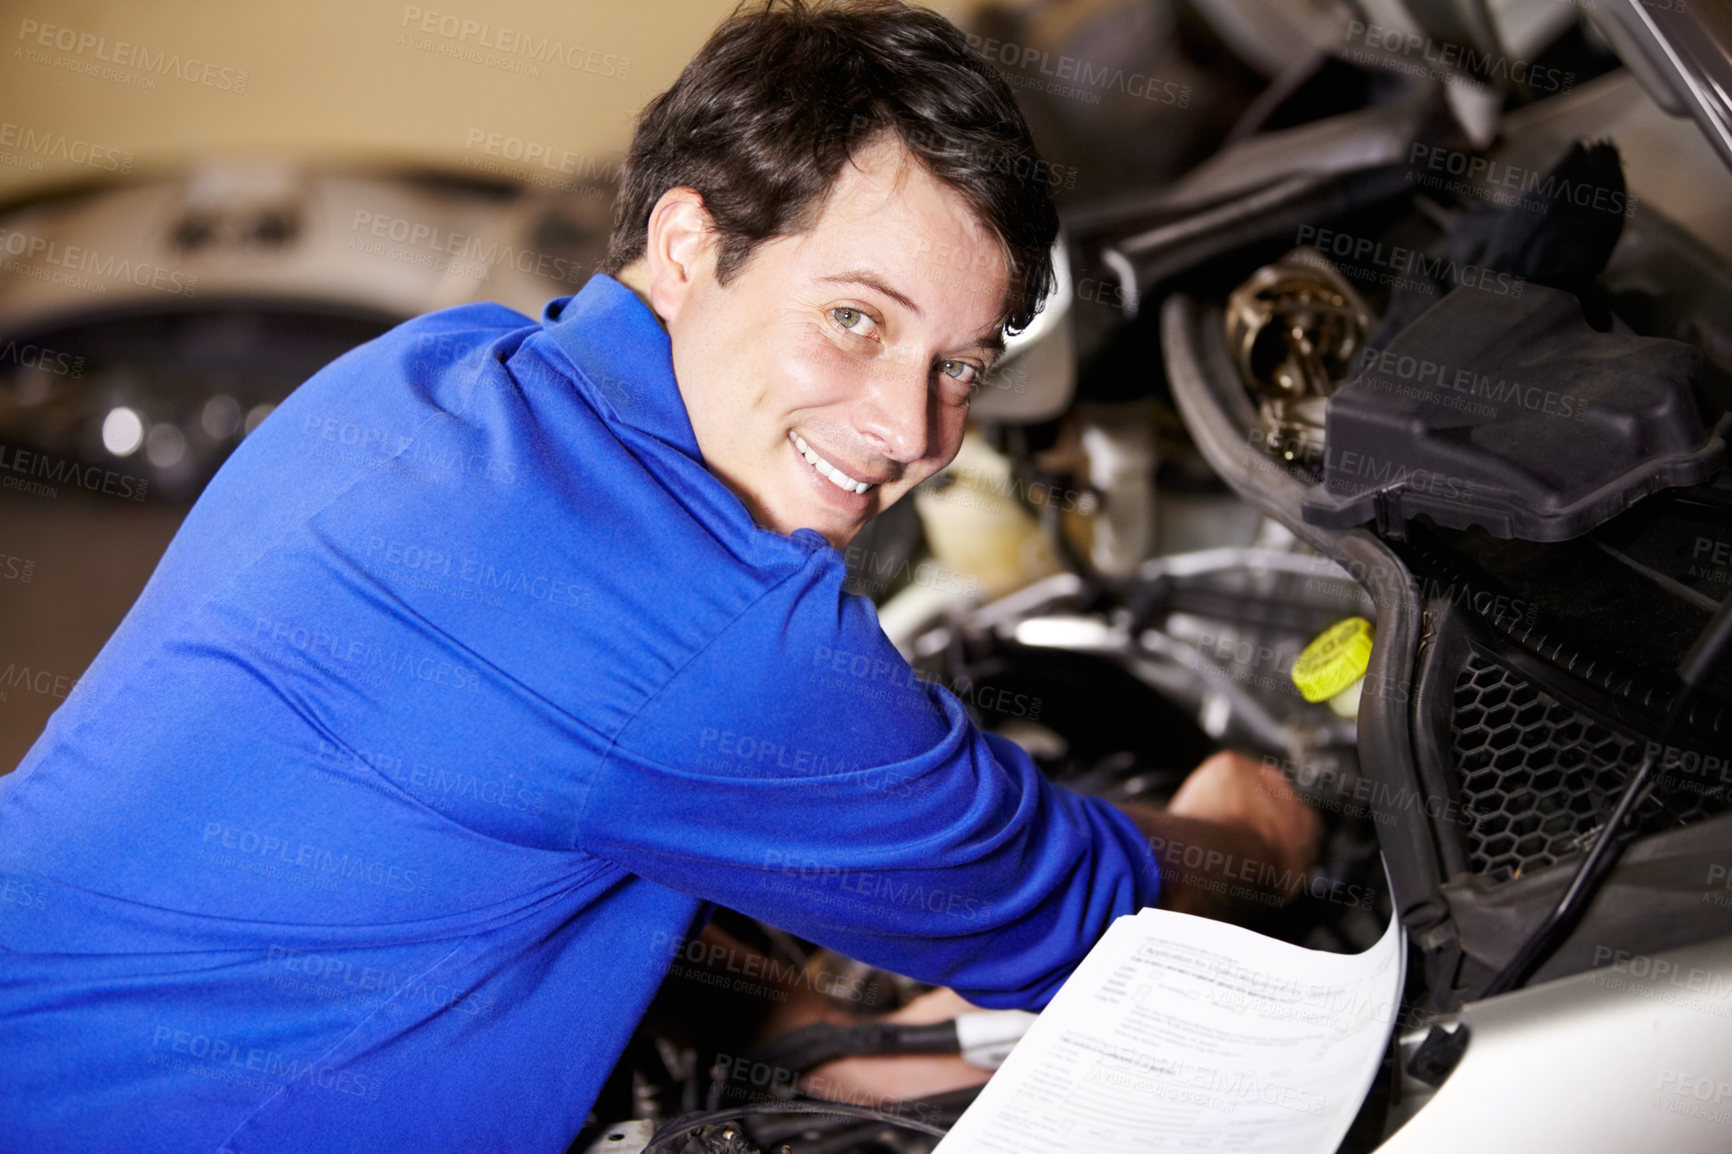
(369, 827)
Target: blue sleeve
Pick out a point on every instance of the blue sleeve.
(797, 771)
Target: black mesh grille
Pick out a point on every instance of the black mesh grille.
(1539, 778)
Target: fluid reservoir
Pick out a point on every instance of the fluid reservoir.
(1332, 668)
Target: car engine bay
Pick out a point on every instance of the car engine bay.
(1448, 356)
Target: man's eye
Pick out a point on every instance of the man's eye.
(854, 321)
(964, 377)
(965, 371)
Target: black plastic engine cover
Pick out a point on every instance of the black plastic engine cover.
(1511, 413)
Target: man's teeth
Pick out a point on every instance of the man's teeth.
(830, 472)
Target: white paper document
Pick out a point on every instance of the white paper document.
(1182, 1033)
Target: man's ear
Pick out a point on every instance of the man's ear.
(679, 248)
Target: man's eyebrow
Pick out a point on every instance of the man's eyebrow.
(992, 339)
(872, 281)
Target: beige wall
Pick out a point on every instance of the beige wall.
(345, 80)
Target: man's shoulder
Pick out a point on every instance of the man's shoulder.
(466, 316)
(453, 334)
(417, 363)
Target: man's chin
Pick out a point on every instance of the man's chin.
(839, 535)
(835, 528)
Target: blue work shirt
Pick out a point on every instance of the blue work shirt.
(461, 694)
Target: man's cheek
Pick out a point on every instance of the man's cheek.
(901, 489)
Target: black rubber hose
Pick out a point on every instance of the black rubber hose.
(670, 1139)
(811, 1046)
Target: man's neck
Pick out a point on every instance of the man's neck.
(635, 276)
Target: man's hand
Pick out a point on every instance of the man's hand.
(1252, 840)
(1234, 839)
(1233, 789)
(1236, 818)
(882, 1079)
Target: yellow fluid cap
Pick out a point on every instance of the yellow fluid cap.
(1334, 660)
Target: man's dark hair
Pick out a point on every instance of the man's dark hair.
(783, 93)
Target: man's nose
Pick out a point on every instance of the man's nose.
(894, 413)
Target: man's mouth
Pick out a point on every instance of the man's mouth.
(828, 471)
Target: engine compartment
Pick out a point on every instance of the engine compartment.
(1343, 344)
(1524, 663)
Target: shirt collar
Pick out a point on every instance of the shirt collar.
(613, 339)
(624, 357)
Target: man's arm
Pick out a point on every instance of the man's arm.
(795, 769)
(1235, 840)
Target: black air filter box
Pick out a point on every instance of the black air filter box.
(1509, 412)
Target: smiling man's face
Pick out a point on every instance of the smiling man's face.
(833, 373)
